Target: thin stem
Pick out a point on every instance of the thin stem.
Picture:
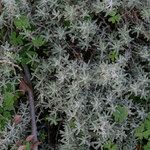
(32, 107)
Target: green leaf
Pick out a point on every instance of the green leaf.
(146, 134)
(114, 17)
(109, 146)
(147, 124)
(38, 41)
(120, 114)
(6, 114)
(22, 23)
(147, 146)
(72, 123)
(24, 56)
(148, 116)
(28, 146)
(8, 101)
(9, 88)
(10, 96)
(16, 40)
(143, 131)
(3, 121)
(139, 131)
(42, 135)
(113, 56)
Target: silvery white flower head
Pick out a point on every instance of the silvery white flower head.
(42, 12)
(99, 6)
(109, 4)
(70, 13)
(6, 47)
(145, 53)
(124, 34)
(10, 7)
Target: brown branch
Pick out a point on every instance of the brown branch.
(32, 107)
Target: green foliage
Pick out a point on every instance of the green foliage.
(42, 135)
(22, 23)
(25, 56)
(120, 114)
(113, 56)
(114, 17)
(9, 97)
(28, 146)
(16, 40)
(143, 131)
(147, 146)
(38, 41)
(9, 100)
(72, 123)
(109, 146)
(4, 117)
(7, 108)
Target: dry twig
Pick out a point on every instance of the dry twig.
(10, 63)
(29, 90)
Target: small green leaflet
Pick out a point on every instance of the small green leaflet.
(38, 41)
(120, 114)
(72, 123)
(28, 146)
(113, 56)
(8, 101)
(143, 131)
(114, 17)
(9, 97)
(16, 40)
(22, 23)
(147, 146)
(139, 131)
(109, 146)
(24, 56)
(6, 110)
(147, 124)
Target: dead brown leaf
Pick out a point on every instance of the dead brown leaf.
(22, 147)
(30, 138)
(17, 119)
(23, 86)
